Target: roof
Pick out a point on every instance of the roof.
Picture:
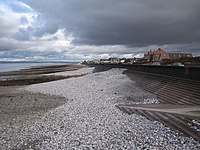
(150, 53)
(159, 51)
(146, 57)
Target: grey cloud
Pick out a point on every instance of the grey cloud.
(24, 20)
(45, 24)
(7, 44)
(21, 54)
(22, 35)
(135, 23)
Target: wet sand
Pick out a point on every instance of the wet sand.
(18, 103)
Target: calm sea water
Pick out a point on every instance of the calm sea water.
(13, 66)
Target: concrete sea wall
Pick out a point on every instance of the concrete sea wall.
(183, 72)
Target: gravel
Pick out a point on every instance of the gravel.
(90, 120)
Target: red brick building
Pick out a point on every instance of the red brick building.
(160, 54)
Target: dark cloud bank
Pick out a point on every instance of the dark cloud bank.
(130, 22)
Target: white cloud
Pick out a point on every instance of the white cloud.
(10, 21)
(140, 55)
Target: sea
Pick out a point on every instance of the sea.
(14, 66)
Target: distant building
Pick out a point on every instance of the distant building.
(132, 60)
(104, 61)
(114, 60)
(95, 61)
(122, 60)
(160, 55)
(179, 55)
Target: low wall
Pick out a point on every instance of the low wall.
(183, 72)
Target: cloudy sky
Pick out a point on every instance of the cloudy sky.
(75, 30)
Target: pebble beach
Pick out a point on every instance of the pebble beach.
(86, 117)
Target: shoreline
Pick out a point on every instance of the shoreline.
(19, 65)
(34, 70)
(38, 74)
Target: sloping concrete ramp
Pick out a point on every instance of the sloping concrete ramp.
(177, 117)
